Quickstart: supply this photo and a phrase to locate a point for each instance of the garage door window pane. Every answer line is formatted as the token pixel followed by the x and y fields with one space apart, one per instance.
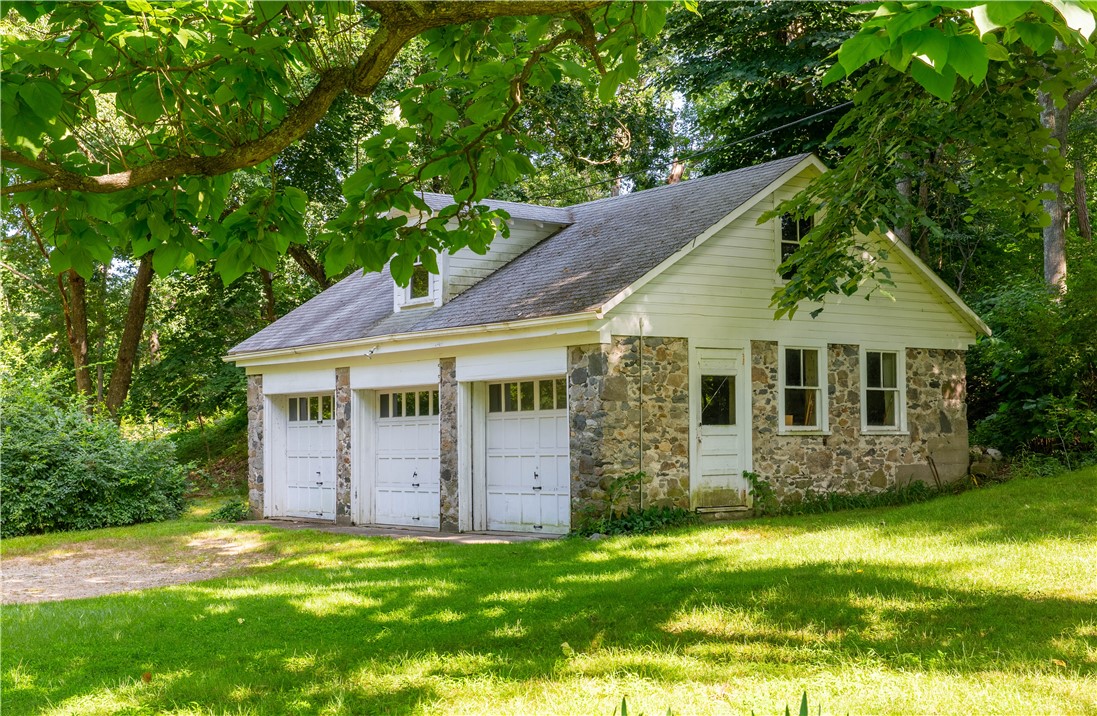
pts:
pixel 293 410
pixel 561 394
pixel 434 402
pixel 495 398
pixel 409 404
pixel 397 405
pixel 326 403
pixel 424 403
pixel 546 398
pixel 510 397
pixel 314 408
pixel 528 396
pixel 384 405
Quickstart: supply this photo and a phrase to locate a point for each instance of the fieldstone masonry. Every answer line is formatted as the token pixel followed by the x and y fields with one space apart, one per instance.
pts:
pixel 629 403
pixel 342 447
pixel 447 445
pixel 848 460
pixel 255 445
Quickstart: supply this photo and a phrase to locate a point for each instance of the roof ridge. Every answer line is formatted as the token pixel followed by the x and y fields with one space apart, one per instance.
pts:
pixel 797 157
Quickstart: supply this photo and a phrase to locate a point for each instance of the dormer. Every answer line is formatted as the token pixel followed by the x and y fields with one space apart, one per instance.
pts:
pixel 424 289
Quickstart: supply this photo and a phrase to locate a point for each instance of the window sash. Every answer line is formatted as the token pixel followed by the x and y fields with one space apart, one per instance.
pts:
pixel 802 390
pixel 419 286
pixel 882 399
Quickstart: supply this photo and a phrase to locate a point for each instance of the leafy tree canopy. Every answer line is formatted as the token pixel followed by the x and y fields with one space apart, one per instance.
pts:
pixel 124 123
pixel 952 79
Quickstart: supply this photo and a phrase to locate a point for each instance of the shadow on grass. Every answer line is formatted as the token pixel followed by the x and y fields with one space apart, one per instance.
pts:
pixel 376 626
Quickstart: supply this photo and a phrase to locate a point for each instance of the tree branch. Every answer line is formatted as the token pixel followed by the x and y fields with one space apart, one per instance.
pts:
pixel 400 23
pixel 1075 99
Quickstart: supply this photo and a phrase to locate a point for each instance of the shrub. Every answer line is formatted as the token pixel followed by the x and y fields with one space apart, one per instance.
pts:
pixel 231 511
pixel 636 521
pixel 63 469
pixel 1032 386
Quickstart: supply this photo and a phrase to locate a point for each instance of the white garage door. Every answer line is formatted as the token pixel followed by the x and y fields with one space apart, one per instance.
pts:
pixel 310 457
pixel 406 485
pixel 528 466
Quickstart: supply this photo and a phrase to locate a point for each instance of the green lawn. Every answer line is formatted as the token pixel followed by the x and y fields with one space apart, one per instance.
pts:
pixel 981 603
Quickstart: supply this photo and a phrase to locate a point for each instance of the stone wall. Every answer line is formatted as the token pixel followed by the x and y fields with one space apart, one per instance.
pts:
pixel 343 456
pixel 255 445
pixel 447 446
pixel 629 403
pixel 848 460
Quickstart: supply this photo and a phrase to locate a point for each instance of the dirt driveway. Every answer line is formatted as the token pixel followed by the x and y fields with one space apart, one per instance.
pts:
pixel 89 570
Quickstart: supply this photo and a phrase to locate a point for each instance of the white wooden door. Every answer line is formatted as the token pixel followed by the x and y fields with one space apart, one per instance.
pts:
pixel 718 481
pixel 406 485
pixel 528 457
pixel 310 457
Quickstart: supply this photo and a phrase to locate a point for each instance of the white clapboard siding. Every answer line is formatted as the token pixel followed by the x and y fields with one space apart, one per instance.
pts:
pixel 465 268
pixel 722 289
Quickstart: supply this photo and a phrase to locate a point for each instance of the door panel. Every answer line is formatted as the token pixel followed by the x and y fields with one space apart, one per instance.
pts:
pixel 310 457
pixel 718 479
pixel 406 485
pixel 528 457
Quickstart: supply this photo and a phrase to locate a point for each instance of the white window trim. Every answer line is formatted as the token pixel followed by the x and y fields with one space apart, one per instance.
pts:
pixel 824 391
pixel 900 381
pixel 402 294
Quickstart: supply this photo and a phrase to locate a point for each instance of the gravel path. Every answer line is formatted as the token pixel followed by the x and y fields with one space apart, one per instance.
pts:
pixel 91 570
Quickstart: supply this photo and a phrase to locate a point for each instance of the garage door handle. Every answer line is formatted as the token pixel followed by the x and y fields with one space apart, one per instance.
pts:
pixel 320 482
pixel 537 487
pixel 415 484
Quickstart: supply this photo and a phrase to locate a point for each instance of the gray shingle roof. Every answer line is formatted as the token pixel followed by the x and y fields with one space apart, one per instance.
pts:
pixel 606 246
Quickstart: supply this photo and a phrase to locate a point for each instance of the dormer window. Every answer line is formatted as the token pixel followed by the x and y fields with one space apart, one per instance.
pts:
pixel 419 288
pixel 792 232
pixel 424 289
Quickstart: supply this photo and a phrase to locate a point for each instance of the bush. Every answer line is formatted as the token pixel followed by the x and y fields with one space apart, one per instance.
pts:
pixel 61 469
pixel 1032 386
pixel 637 521
pixel 231 511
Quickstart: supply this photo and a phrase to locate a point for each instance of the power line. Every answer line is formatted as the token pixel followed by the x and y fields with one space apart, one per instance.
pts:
pixel 703 152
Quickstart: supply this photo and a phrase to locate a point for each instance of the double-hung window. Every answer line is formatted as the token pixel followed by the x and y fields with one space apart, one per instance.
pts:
pixel 802 392
pixel 793 230
pixel 882 380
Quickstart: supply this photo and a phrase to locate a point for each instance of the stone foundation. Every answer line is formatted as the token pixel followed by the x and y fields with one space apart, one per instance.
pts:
pixel 629 412
pixel 447 446
pixel 343 455
pixel 848 460
pixel 255 445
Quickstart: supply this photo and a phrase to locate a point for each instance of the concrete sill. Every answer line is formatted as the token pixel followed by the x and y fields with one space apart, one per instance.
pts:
pixel 803 433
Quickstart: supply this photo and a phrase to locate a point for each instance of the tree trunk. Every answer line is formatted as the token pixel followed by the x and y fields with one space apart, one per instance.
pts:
pixel 1055 120
pixel 309 265
pixel 75 305
pixel 905 186
pixel 1085 229
pixel 122 375
pixel 268 294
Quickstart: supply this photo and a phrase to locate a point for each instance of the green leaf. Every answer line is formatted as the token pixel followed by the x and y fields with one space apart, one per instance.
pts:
pixel 166 258
pixel 834 74
pixel 930 43
pixel 1004 12
pixel 906 21
pixel 939 85
pixel 861 49
pixel 607 87
pixel 968 56
pixel 42 97
pixel 1037 36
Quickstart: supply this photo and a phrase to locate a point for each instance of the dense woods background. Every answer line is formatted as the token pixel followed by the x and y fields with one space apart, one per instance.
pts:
pixel 139 337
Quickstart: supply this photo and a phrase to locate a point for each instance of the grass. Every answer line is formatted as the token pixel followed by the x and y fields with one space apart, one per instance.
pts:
pixel 985 602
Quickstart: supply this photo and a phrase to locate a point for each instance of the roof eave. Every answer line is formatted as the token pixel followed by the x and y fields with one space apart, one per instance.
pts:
pixel 259 356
